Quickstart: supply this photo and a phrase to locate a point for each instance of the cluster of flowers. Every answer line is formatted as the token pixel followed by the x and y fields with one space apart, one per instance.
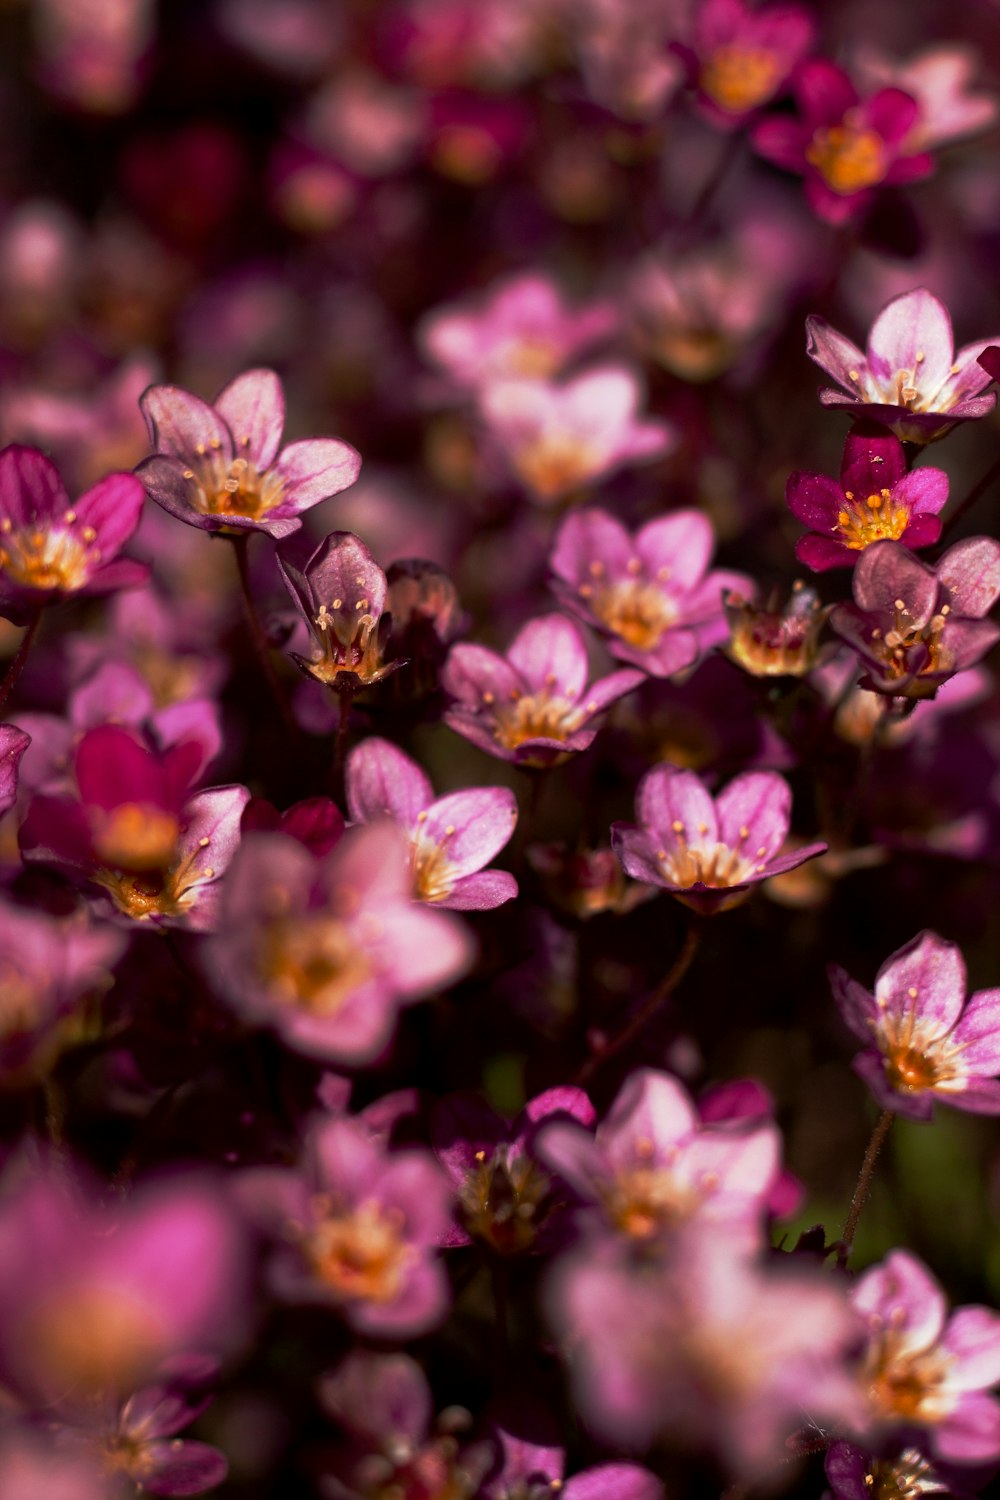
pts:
pixel 431 881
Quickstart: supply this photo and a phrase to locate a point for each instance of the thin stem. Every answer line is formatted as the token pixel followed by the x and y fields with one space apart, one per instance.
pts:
pixel 992 473
pixel 647 1009
pixel 499 1277
pixel 17 665
pixel 262 650
pixel 864 1183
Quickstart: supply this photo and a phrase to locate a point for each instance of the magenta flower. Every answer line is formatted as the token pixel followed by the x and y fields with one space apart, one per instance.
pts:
pixel 924 1041
pixel 650 595
pixel 910 380
pixel 222 467
pixel 358 1229
pixel 327 951
pixel 134 830
pixel 560 439
pixel 451 838
pixel 653 1165
pixel 13 743
pixel 741 58
pixel 926 1375
pixel 709 851
pixel 914 626
pixel 844 146
pixel 521 328
pixel 532 706
pixel 51 548
pixel 877 497
pixel 939 78
pixel 340 592
pixel 315 822
pixel 531 1471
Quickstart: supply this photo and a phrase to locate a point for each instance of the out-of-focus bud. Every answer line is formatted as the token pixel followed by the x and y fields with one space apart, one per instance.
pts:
pixel 584 882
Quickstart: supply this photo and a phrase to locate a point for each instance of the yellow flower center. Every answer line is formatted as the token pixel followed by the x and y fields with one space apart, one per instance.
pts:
pixel 312 962
pixel 555 463
pixel 157 892
pixel 433 871
pixel 532 358
pixel 136 836
pixel 362 1254
pixel 234 489
pixel 535 716
pixel 848 158
pixel 740 78
pixel 871 520
pixel 91 1339
pixel 53 558
pixel 905 1384
pixel 646 1200
pixel 350 644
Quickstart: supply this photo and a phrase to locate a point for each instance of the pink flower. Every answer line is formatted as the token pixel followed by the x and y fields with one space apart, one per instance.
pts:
pixel 340 592
pixel 924 1041
pixel 741 57
pixel 451 838
pixel 222 467
pixel 877 497
pixel 50 548
pixel 708 851
pixel 926 1375
pixel 938 78
pixel 650 595
pixel 557 439
pixel 533 706
pixel 845 146
pixel 910 379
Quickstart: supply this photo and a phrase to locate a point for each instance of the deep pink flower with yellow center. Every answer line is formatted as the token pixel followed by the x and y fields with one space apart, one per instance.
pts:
pixel 910 378
pixel 926 1376
pixel 222 467
pixel 844 146
pixel 51 548
pixel 534 705
pixel 709 851
pixel 876 498
pixel 924 1040
pixel 740 57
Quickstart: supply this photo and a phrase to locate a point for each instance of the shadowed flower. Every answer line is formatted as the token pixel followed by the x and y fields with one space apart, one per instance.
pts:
pixel 451 838
pixel 532 706
pixel 769 641
pixel 708 851
pixel 926 1375
pixel 924 1041
pixel 844 146
pixel 341 592
pixel 856 1475
pixel 222 467
pixel 939 79
pixel 51 548
pixel 358 1228
pixel 650 595
pixel 13 743
pixel 910 379
pixel 914 626
pixel 877 498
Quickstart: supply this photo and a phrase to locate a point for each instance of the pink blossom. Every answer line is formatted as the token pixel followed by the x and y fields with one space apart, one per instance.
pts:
pixel 939 78
pixel 740 57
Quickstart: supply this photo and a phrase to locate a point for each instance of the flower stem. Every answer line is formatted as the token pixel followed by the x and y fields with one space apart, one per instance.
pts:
pixel 864 1183
pixel 613 1045
pixel 262 650
pixel 17 665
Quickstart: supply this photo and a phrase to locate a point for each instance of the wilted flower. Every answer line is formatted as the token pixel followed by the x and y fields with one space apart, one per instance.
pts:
pixel 709 852
pixel 877 498
pixel 451 838
pixel 914 626
pixel 910 380
pixel 767 640
pixel 924 1042
pixel 222 467
pixel 533 706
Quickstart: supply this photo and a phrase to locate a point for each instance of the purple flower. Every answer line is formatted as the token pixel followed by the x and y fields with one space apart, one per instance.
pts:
pixel 531 1471
pixel 532 706
pixel 222 467
pixel 911 380
pixel 924 1041
pixel 856 1475
pixel 13 743
pixel 357 1228
pixel 340 592
pixel 914 626
pixel 326 951
pixel 926 1375
pixel 50 548
pixel 451 839
pixel 844 146
pixel 650 595
pixel 709 852
pixel 741 57
pixel 877 498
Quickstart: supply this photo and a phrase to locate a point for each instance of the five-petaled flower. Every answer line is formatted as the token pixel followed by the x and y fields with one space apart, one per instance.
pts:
pixel 222 467
pixel 924 1041
pixel 910 379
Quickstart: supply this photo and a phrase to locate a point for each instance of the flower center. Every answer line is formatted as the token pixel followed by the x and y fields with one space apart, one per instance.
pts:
pixel 433 871
pixel 312 962
pixel 136 836
pixel 93 1338
pixel 906 650
pixel 646 1200
pixel 351 643
pixel 535 716
pixel 532 358
pixel 47 559
pixel 556 463
pixel 160 892
pixel 19 1004
pixel 740 78
pixel 636 611
pixel 848 158
pixel 361 1255
pixel 501 1199
pixel 906 1384
pixel 910 1068
pixel 714 865
pixel 233 489
pixel 871 520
